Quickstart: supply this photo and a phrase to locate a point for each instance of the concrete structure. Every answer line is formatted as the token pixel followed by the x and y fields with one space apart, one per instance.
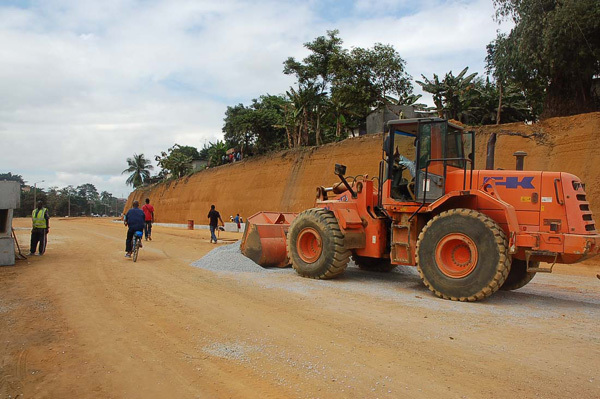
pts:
pixel 198 164
pixel 377 119
pixel 229 226
pixel 10 198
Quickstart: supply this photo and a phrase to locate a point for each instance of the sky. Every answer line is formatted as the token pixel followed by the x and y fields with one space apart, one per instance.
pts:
pixel 86 84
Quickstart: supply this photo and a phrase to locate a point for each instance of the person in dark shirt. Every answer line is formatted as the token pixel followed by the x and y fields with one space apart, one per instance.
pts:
pixel 135 220
pixel 214 217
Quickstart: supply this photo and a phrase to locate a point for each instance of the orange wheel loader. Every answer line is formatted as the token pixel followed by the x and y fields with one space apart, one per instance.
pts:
pixel 469 232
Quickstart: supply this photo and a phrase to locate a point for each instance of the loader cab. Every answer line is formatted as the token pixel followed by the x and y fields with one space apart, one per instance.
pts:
pixel 418 154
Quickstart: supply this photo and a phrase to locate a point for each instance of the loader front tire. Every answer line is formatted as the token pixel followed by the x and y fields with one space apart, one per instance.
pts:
pixel 315 245
pixel 518 276
pixel 462 255
pixel 373 264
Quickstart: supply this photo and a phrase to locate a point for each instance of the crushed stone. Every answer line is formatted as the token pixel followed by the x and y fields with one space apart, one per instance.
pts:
pixel 229 259
pixel 556 296
pixel 230 350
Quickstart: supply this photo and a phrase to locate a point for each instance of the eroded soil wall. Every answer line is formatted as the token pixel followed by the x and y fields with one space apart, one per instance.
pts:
pixel 286 181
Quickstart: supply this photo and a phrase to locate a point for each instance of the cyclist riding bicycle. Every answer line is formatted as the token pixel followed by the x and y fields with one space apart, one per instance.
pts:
pixel 135 220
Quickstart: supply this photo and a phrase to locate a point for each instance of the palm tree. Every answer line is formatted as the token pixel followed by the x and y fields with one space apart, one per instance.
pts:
pixel 437 88
pixel 455 88
pixel 105 196
pixel 140 168
pixel 447 93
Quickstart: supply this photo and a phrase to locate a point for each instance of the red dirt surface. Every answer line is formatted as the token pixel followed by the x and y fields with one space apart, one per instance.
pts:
pixel 84 322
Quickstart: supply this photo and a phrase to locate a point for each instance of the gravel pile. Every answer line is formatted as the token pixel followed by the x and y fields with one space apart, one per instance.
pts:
pixel 229 258
pixel 546 297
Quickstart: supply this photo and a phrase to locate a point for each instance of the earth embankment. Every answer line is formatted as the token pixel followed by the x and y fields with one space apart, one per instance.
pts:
pixel 286 181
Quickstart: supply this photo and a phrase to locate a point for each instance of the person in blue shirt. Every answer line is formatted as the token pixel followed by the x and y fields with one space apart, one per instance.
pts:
pixel 135 220
pixel 238 221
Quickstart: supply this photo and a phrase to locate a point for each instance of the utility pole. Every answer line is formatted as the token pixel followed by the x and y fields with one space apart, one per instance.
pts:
pixel 35 192
pixel 69 204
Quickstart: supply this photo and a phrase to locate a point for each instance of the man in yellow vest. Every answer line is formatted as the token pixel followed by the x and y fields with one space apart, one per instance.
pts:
pixel 41 225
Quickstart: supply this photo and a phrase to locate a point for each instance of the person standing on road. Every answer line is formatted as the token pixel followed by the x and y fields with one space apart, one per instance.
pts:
pixel 41 225
pixel 149 219
pixel 135 220
pixel 238 220
pixel 214 217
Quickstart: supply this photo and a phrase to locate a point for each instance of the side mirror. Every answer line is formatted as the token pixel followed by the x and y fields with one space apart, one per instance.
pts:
pixel 340 170
pixel 386 145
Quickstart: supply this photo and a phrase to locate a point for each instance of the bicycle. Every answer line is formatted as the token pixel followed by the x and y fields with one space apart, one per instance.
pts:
pixel 137 243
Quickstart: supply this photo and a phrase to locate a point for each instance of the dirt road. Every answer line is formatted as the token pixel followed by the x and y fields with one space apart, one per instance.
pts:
pixel 84 322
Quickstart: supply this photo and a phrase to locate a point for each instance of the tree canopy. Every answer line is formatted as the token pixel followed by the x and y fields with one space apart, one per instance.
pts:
pixel 83 200
pixel 10 177
pixel 336 88
pixel 552 54
pixel 177 160
pixel 546 65
pixel 256 128
pixel 140 168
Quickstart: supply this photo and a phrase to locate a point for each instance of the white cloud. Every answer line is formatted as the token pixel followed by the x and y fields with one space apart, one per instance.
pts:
pixel 86 84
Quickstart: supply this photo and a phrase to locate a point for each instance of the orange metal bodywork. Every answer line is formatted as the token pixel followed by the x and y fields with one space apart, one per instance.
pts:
pixel 554 222
pixel 545 215
pixel 357 220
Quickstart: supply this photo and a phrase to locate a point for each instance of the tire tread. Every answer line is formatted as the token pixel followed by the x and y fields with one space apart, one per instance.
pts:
pixel 504 261
pixel 328 222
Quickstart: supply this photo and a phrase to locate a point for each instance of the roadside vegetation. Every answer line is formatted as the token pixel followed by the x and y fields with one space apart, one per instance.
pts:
pixel 83 200
pixel 547 65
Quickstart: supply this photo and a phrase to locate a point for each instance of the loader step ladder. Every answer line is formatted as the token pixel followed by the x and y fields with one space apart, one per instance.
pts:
pixel 401 252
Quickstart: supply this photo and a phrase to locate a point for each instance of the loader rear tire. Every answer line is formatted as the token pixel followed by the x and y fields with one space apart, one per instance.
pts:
pixel 462 255
pixel 518 276
pixel 315 245
pixel 373 264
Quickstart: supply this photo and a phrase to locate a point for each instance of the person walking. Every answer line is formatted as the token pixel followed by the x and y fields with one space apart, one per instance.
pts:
pixel 135 221
pixel 149 219
pixel 41 226
pixel 238 220
pixel 214 217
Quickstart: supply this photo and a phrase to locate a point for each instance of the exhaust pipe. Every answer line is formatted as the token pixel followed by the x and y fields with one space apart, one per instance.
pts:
pixel 491 148
pixel 520 155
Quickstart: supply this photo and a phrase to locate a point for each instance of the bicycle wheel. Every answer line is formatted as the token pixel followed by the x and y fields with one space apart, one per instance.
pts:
pixel 136 248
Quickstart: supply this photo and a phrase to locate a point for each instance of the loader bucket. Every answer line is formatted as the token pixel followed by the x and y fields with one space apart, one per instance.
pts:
pixel 264 238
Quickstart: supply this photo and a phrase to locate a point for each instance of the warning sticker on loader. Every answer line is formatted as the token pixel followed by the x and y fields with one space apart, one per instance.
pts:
pixel 426 184
pixel 546 199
